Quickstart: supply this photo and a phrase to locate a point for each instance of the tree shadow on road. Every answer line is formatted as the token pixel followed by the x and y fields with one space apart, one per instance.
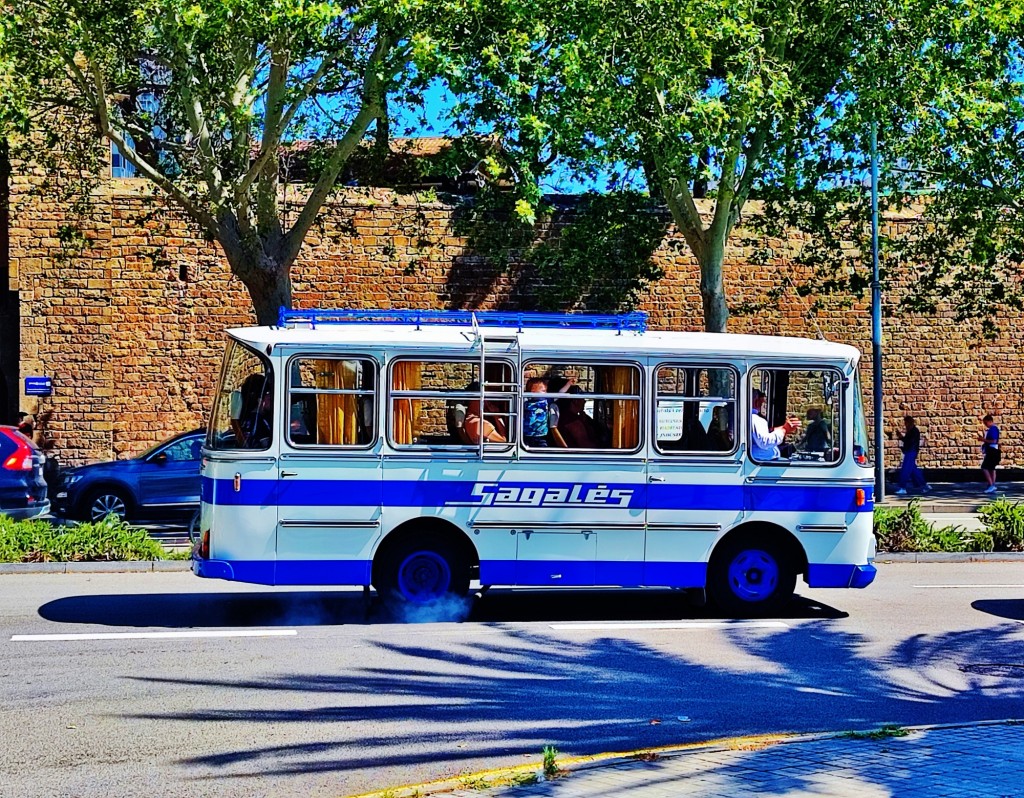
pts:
pixel 922 762
pixel 453 703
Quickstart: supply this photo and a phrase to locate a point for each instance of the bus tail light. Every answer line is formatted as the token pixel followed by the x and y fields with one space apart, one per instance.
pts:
pixel 204 545
pixel 861 498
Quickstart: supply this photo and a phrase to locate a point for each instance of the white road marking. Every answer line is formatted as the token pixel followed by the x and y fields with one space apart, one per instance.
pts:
pixel 159 635
pixel 966 587
pixel 613 627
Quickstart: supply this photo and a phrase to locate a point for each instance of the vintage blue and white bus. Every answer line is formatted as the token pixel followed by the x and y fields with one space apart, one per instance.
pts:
pixel 421 452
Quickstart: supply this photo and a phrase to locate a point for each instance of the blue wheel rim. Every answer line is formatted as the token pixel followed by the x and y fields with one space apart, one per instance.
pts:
pixel 424 576
pixel 753 575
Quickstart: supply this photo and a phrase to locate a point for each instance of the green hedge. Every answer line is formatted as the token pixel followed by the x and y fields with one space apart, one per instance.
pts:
pixel 904 529
pixel 897 529
pixel 106 540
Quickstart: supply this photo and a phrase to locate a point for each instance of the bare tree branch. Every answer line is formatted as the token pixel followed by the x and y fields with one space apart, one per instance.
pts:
pixel 374 87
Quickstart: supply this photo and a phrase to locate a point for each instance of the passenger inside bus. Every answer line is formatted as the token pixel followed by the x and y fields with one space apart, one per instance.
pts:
pixel 818 437
pixel 540 414
pixel 766 442
pixel 720 434
pixel 252 411
pixel 489 424
pixel 577 430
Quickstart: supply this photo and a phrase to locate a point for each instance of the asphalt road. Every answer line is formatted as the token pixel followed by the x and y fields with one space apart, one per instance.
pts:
pixel 332 702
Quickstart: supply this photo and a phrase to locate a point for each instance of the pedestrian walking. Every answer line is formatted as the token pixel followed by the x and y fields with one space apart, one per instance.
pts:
pixel 25 424
pixel 911 475
pixel 990 453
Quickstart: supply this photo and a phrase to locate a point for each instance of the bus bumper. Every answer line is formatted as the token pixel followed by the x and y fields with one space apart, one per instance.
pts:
pixel 213 569
pixel 840 575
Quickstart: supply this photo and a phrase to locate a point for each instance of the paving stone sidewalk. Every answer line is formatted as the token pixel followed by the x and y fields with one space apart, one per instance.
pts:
pixel 979 760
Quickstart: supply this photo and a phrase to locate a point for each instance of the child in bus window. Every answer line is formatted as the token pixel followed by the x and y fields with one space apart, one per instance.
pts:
pixel 537 412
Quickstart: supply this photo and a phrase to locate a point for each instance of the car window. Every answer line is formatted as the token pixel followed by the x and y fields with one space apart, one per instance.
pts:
pixel 184 450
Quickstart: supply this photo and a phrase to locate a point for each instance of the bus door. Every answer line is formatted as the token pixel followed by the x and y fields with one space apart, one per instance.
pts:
pixel 330 470
pixel 577 497
pixel 695 474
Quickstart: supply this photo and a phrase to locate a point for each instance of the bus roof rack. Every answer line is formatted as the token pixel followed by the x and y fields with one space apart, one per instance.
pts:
pixel 634 322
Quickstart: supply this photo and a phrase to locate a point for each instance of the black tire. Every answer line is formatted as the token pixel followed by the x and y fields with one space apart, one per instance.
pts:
pixel 104 501
pixel 421 570
pixel 751 576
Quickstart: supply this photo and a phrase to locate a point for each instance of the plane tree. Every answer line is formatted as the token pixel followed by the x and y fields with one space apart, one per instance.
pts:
pixel 963 156
pixel 202 97
pixel 728 100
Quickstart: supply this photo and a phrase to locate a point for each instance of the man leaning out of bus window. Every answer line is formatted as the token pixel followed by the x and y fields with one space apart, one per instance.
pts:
pixel 765 440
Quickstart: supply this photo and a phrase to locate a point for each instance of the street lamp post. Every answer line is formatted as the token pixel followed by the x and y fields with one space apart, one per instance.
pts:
pixel 876 323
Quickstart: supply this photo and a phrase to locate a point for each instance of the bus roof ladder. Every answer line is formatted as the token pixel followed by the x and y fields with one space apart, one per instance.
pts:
pixel 503 390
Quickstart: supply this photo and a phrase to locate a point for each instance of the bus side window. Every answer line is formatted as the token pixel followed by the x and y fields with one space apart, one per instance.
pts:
pixel 331 401
pixel 695 408
pixel 812 396
pixel 435 403
pixel 587 406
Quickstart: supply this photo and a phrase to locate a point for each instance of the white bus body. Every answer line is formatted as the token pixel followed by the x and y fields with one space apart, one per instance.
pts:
pixel 341 452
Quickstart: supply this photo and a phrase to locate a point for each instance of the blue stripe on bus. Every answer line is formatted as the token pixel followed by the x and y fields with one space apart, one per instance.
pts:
pixel 286 572
pixel 413 493
pixel 620 574
pixel 525 573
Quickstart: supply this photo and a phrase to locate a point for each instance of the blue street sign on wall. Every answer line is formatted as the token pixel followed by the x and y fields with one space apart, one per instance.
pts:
pixel 38 386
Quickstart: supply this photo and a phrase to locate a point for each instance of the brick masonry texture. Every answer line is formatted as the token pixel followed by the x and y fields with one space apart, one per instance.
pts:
pixel 134 349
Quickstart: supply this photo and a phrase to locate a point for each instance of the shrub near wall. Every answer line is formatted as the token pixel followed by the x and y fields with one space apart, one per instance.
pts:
pixel 1005 522
pixel 904 529
pixel 107 540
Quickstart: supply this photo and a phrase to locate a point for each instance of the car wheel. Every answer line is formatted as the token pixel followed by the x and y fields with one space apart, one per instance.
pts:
pixel 422 571
pixel 750 576
pixel 104 502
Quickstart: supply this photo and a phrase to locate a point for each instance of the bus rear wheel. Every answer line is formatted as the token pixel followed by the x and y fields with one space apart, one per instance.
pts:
pixel 422 571
pixel 751 577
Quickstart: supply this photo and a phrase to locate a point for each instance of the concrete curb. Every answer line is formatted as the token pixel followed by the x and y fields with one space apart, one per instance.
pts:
pixel 946 556
pixel 113 567
pixel 504 777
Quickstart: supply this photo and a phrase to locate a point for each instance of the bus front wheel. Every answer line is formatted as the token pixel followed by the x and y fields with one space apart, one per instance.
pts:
pixel 750 576
pixel 422 571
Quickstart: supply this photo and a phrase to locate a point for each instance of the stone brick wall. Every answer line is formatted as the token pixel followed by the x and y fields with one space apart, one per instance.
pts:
pixel 131 328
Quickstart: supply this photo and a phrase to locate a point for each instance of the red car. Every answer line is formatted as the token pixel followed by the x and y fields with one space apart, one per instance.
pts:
pixel 22 487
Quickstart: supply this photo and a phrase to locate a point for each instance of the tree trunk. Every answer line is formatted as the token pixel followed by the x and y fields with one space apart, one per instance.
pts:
pixel 266 275
pixel 270 288
pixel 712 286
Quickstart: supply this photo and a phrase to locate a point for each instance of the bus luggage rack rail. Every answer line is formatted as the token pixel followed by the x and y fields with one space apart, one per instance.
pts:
pixel 633 322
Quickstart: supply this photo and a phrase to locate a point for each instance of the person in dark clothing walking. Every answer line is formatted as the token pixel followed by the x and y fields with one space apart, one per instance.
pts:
pixel 990 452
pixel 910 441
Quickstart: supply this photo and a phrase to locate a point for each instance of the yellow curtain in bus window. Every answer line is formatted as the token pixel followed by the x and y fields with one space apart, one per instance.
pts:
pixel 405 376
pixel 625 412
pixel 336 415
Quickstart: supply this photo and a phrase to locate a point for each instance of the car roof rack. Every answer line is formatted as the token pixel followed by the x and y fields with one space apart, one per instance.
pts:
pixel 635 321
